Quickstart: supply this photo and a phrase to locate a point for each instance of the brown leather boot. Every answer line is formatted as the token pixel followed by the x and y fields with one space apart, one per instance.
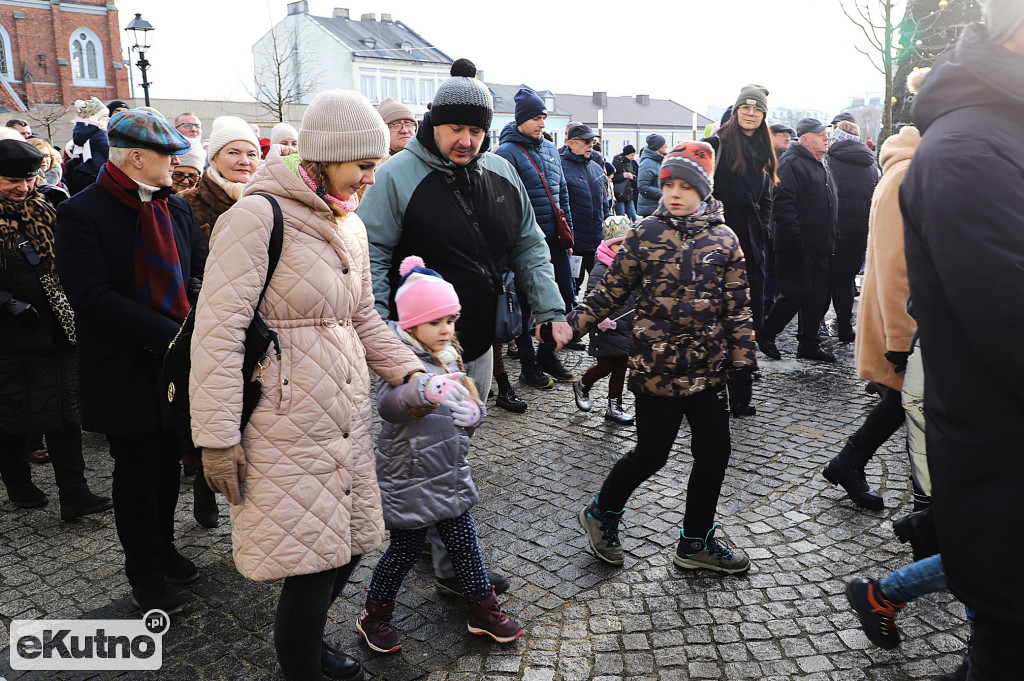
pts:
pixel 486 618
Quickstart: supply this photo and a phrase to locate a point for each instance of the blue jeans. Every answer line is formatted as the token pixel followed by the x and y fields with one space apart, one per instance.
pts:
pixel 626 208
pixel 917 579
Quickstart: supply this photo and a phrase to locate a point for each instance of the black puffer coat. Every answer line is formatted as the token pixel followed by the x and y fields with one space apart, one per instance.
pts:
pixel 806 204
pixel 963 208
pixel 38 377
pixel 746 199
pixel 853 166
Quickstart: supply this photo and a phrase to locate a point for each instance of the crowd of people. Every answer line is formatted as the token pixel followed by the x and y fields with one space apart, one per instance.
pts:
pixel 368 243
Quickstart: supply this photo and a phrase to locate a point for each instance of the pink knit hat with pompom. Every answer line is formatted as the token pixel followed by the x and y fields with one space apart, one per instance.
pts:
pixel 423 295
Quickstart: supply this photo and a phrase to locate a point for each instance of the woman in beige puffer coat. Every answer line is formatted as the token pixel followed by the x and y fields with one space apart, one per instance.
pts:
pixel 301 478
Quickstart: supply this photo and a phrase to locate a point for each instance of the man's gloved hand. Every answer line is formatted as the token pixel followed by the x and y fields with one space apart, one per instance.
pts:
pixel 467 413
pixel 224 470
pixel 20 307
pixel 898 360
pixel 194 284
pixel 607 325
pixel 447 389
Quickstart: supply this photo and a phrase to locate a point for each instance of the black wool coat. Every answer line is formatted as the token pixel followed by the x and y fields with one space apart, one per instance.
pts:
pixel 120 341
pixel 806 204
pixel 963 209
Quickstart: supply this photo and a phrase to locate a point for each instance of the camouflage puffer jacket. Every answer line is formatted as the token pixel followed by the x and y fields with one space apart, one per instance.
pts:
pixel 692 324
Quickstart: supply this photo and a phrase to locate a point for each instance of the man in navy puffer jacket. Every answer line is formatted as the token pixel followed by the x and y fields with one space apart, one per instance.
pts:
pixel 588 187
pixel 523 145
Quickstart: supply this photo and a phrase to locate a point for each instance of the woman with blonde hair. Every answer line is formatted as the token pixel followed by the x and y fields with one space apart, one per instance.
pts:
pixel 305 504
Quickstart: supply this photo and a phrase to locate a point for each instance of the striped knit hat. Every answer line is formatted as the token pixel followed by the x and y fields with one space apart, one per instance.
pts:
pixel 462 99
pixel 693 163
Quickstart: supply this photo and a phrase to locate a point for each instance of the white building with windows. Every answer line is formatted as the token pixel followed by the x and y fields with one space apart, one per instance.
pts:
pixel 378 57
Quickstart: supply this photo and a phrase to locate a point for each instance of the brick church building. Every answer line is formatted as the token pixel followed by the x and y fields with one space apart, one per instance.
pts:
pixel 54 52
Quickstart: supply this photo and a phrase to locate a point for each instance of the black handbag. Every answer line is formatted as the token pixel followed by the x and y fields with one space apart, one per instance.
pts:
pixel 177 364
pixel 509 319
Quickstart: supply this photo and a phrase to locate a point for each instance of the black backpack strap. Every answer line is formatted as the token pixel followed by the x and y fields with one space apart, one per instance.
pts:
pixel 276 242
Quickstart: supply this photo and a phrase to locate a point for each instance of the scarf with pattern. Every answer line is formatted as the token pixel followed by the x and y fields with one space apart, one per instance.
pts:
pixel 158 278
pixel 34 218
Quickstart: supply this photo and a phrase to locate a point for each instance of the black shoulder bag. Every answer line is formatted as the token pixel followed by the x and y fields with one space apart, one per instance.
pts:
pixel 177 364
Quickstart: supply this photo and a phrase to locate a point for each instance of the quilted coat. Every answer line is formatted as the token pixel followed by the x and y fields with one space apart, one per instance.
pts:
pixel 883 323
pixel 545 156
pixel 587 187
pixel 692 323
pixel 648 185
pixel 311 499
pixel 422 463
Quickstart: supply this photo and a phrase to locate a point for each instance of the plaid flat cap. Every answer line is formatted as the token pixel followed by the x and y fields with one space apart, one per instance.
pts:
pixel 133 129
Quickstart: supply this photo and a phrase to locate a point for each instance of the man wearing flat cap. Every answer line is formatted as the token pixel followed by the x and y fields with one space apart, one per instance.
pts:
pixel 126 251
pixel 806 214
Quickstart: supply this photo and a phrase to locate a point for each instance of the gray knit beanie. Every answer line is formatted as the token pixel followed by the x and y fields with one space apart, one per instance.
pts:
pixel 1003 18
pixel 341 126
pixel 756 95
pixel 462 99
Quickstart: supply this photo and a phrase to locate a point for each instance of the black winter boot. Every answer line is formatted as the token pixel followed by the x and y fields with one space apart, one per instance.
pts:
pixel 918 528
pixel 847 470
pixel 507 398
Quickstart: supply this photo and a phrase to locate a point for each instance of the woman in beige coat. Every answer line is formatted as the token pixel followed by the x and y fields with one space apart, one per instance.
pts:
pixel 885 331
pixel 301 478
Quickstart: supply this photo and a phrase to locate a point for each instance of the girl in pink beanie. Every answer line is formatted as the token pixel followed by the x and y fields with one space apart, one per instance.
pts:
pixel 422 465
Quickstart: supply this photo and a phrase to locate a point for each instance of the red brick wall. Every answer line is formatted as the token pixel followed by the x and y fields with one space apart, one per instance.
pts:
pixel 47 31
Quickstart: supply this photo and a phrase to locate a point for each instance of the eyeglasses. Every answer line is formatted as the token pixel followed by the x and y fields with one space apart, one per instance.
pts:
pixel 747 109
pixel 193 126
pixel 186 178
pixel 403 125
pixel 590 142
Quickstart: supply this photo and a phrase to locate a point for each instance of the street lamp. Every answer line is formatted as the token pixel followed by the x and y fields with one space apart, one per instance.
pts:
pixel 140 30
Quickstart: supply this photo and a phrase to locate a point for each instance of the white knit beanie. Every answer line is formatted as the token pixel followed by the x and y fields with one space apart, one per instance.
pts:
pixel 341 126
pixel 282 132
pixel 230 129
pixel 194 157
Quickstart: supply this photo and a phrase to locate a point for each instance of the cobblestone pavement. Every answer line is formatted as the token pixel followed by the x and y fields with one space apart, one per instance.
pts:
pixel 585 620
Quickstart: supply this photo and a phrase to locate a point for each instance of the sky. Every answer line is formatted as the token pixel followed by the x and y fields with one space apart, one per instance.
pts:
pixel 695 52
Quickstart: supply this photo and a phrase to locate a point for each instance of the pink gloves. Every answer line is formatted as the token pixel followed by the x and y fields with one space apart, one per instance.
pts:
pixel 467 413
pixel 607 325
pixel 447 389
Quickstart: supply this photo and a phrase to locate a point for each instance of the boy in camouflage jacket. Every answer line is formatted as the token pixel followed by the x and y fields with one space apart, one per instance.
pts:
pixel 692 327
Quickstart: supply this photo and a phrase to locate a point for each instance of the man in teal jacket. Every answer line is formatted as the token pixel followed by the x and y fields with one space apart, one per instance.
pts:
pixel 467 214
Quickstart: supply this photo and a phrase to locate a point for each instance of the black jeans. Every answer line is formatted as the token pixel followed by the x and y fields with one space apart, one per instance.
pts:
pixel 884 419
pixel 842 274
pixel 657 423
pixel 301 616
pixel 65 448
pixel 145 493
pixel 996 653
pixel 802 280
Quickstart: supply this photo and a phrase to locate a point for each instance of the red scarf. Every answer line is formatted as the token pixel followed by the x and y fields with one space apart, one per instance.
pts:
pixel 159 283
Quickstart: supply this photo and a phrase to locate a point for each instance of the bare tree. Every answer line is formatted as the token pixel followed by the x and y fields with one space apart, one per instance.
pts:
pixel 878 20
pixel 283 74
pixel 48 114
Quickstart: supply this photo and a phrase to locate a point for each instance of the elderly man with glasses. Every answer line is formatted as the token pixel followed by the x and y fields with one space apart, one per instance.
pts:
pixel 401 122
pixel 189 125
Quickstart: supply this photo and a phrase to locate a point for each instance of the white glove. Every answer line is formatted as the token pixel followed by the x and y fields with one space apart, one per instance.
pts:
pixel 607 325
pixel 467 413
pixel 446 390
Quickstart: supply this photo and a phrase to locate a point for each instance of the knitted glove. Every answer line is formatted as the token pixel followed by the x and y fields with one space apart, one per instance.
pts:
pixel 447 389
pixel 224 470
pixel 898 360
pixel 467 413
pixel 607 325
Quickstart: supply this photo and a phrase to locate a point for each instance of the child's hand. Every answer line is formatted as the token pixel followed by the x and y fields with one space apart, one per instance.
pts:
pixel 467 413
pixel 607 325
pixel 447 389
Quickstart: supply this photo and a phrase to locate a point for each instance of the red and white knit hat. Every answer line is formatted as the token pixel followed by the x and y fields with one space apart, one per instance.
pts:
pixel 693 163
pixel 423 295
